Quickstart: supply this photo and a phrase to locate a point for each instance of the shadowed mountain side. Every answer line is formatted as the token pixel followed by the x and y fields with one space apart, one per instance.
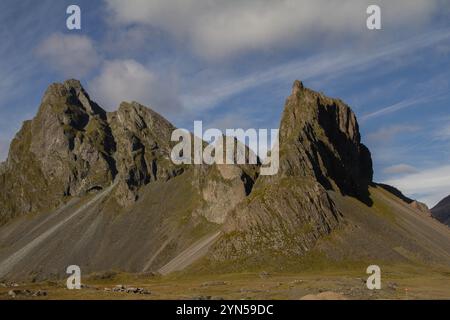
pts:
pixel 319 137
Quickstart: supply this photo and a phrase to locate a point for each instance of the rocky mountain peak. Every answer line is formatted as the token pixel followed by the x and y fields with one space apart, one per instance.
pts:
pixel 297 87
pixel 442 211
pixel 319 136
pixel 71 96
pixel 320 151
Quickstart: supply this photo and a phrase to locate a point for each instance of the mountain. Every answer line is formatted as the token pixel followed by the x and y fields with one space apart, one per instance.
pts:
pixel 323 201
pixel 98 189
pixel 442 211
pixel 73 147
pixel 320 151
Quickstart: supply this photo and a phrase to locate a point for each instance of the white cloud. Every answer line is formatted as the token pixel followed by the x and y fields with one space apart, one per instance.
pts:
pixel 73 56
pixel 217 29
pixel 400 169
pixel 128 80
pixel 428 186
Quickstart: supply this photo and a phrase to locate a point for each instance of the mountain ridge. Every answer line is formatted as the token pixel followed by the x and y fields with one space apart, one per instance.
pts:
pixel 98 189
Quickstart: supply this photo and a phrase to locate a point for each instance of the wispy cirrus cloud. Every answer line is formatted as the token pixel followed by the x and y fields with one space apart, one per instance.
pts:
pixel 407 103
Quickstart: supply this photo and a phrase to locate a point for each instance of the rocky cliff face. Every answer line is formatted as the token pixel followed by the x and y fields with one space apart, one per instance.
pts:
pixel 65 150
pixel 142 149
pixel 320 150
pixel 73 147
pixel 86 176
pixel 319 137
pixel 123 205
pixel 442 211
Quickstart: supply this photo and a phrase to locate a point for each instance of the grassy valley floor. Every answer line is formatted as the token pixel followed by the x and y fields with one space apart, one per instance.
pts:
pixel 398 282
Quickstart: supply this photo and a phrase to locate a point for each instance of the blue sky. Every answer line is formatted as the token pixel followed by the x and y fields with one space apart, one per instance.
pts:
pixel 232 64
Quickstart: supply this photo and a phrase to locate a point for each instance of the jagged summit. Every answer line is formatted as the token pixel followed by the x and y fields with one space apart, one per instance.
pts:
pixel 442 211
pixel 73 147
pixel 72 93
pixel 297 87
pixel 311 204
pixel 324 134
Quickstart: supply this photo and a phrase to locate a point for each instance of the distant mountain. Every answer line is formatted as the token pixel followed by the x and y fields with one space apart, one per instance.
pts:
pixel 442 211
pixel 98 189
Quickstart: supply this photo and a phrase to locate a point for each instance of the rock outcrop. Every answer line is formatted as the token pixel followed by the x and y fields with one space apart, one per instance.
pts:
pixel 143 148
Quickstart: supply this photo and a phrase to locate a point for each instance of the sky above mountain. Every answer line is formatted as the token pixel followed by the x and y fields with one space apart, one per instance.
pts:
pixel 232 63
